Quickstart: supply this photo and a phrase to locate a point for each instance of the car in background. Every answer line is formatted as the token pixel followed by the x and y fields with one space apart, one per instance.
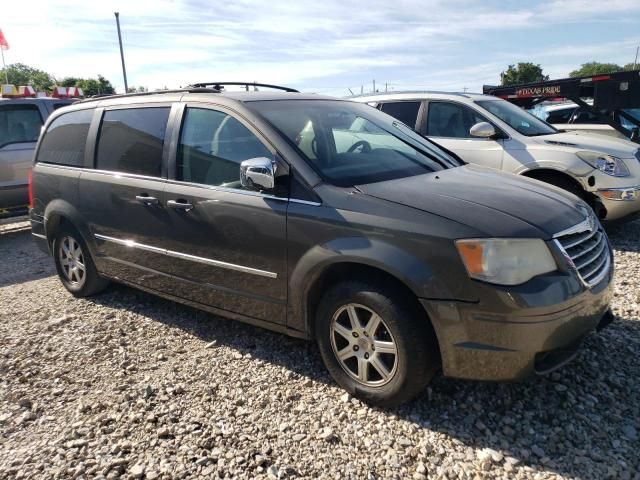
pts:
pixel 22 115
pixel 489 131
pixel 323 219
pixel 571 117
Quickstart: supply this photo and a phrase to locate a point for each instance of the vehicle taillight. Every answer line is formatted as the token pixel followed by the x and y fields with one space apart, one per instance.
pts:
pixel 30 188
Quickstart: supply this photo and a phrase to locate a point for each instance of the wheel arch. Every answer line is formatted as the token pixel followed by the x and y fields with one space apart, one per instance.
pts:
pixel 59 213
pixel 354 270
pixel 544 174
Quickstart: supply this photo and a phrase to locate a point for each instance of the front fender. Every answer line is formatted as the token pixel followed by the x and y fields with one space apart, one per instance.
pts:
pixel 561 161
pixel 414 272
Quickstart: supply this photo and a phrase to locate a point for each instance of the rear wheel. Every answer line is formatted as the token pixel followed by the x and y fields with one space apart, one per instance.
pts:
pixel 376 342
pixel 74 264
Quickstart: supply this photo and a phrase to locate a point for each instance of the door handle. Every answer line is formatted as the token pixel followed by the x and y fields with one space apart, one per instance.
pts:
pixel 147 200
pixel 180 205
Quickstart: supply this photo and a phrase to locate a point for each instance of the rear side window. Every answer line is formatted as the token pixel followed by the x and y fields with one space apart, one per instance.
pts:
pixel 19 124
pixel 131 140
pixel 585 116
pixel 451 120
pixel 66 138
pixel 560 116
pixel 406 112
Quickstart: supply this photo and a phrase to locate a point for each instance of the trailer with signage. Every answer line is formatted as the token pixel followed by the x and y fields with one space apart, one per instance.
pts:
pixel 608 97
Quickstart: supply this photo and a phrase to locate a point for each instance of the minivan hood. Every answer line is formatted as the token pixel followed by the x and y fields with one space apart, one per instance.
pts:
pixel 495 204
pixel 617 147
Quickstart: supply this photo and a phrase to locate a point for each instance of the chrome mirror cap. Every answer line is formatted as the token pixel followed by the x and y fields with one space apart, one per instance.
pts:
pixel 258 174
pixel 482 130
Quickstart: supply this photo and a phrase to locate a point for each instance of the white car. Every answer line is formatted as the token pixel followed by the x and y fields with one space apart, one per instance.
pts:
pixel 489 131
pixel 571 117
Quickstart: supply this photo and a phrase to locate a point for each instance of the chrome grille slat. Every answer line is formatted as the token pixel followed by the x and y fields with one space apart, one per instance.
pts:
pixel 586 247
pixel 592 258
pixel 581 240
pixel 596 268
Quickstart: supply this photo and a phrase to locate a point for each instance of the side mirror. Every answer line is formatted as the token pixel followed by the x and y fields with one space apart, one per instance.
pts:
pixel 482 130
pixel 258 174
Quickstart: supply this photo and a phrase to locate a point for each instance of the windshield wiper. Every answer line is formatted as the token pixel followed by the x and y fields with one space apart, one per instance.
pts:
pixel 541 134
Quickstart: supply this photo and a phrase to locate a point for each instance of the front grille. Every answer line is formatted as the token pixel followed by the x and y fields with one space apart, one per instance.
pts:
pixel 586 248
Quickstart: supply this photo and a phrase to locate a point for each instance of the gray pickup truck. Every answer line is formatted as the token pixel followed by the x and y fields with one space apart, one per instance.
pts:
pixel 21 120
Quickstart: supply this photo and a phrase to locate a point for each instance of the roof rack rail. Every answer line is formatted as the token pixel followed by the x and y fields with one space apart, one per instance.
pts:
pixel 190 89
pixel 221 85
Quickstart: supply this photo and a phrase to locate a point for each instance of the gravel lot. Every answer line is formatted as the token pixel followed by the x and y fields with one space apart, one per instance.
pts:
pixel 128 385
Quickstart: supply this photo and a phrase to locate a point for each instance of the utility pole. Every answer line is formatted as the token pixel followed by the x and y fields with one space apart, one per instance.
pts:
pixel 4 66
pixel 361 89
pixel 124 70
pixel 374 85
pixel 635 62
pixel 385 87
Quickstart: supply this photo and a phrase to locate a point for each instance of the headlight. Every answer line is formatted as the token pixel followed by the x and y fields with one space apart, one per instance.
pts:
pixel 605 163
pixel 505 261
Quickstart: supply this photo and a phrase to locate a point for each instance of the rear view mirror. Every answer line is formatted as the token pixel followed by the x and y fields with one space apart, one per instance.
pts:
pixel 482 130
pixel 258 174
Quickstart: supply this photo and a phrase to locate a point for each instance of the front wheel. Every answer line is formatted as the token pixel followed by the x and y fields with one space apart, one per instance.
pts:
pixel 376 342
pixel 74 264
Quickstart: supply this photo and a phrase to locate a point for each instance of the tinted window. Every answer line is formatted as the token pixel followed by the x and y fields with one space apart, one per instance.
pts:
pixel 585 116
pixel 131 140
pixel 452 120
pixel 635 113
pixel 58 105
pixel 560 116
pixel 65 139
pixel 352 143
pixel 212 146
pixel 19 123
pixel 406 112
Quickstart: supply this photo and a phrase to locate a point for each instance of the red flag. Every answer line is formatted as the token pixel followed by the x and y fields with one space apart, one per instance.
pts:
pixel 4 45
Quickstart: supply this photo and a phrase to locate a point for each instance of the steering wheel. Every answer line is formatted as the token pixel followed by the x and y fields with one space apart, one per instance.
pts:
pixel 366 146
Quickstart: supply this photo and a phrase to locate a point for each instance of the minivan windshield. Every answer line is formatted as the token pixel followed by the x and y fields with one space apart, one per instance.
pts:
pixel 517 118
pixel 350 143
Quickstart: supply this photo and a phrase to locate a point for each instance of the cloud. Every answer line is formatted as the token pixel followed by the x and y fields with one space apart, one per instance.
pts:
pixel 321 46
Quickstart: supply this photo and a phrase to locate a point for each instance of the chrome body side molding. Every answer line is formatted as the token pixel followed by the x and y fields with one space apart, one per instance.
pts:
pixel 186 256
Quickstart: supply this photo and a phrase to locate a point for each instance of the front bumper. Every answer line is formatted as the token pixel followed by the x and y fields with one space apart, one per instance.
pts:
pixel 515 333
pixel 620 203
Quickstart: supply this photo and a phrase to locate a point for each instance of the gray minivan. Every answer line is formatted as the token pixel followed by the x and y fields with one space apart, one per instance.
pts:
pixel 21 120
pixel 274 209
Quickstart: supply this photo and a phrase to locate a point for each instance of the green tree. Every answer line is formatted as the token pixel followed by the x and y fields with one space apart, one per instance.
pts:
pixel 90 86
pixel 21 74
pixel 139 89
pixel 595 68
pixel 524 72
pixel 631 66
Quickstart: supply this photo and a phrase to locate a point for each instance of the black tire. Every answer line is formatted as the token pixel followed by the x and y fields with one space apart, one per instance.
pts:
pixel 403 322
pixel 84 282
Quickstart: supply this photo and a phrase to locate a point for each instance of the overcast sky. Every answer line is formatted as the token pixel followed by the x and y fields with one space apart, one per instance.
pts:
pixel 323 46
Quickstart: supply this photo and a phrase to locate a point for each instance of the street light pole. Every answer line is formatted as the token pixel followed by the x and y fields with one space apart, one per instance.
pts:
pixel 124 70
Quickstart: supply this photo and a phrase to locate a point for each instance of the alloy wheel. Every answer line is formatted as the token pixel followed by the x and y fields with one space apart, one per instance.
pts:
pixel 72 262
pixel 363 345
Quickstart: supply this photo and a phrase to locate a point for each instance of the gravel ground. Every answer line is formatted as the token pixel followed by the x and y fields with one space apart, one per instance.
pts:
pixel 128 385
